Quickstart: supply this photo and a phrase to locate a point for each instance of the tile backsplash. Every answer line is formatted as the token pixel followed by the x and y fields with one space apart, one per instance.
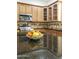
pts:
pixel 47 25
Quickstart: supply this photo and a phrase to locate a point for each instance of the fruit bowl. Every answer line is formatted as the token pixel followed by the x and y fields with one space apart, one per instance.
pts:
pixel 35 35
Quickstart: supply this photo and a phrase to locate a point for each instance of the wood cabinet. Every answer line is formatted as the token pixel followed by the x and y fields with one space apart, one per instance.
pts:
pixel 40 14
pixel 45 14
pixel 28 9
pixel 37 13
pixel 53 12
pixel 50 14
pixel 34 13
pixel 18 12
pixel 17 8
pixel 22 9
pixel 55 17
pixel 25 9
pixel 59 46
pixel 59 11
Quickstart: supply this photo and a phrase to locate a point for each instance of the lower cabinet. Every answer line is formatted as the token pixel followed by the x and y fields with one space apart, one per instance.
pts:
pixel 53 42
pixel 57 45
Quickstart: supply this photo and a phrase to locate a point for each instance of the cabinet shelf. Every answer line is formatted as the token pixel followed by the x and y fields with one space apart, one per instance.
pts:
pixel 45 14
pixel 50 13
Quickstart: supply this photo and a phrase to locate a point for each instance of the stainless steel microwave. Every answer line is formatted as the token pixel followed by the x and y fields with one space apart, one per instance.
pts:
pixel 25 17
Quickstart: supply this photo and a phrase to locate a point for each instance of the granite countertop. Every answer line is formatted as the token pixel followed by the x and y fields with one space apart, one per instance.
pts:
pixel 23 45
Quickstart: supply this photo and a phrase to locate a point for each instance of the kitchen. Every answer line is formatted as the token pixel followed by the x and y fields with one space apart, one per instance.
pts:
pixel 40 15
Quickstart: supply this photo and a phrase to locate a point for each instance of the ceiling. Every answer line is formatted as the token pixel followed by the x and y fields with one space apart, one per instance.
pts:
pixel 38 2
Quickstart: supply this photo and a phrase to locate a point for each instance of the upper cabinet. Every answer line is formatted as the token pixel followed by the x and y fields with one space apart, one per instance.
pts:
pixel 40 14
pixel 17 8
pixel 28 9
pixel 18 5
pixel 50 13
pixel 22 9
pixel 25 9
pixel 34 13
pixel 37 13
pixel 45 14
pixel 55 12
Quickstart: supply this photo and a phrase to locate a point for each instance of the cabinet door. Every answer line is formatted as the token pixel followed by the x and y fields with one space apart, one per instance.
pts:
pixel 40 14
pixel 45 14
pixel 18 11
pixel 50 13
pixel 35 13
pixel 55 17
pixel 22 9
pixel 28 9
pixel 17 8
pixel 59 46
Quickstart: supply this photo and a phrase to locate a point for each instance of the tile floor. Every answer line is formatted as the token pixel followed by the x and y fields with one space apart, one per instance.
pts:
pixel 39 54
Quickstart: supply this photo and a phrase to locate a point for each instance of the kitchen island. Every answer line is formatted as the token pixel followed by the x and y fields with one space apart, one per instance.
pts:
pixel 48 41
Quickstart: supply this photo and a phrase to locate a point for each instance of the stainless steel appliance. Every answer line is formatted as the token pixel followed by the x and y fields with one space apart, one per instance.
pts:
pixel 25 17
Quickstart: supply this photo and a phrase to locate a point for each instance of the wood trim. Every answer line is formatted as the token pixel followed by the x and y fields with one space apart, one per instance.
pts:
pixel 39 21
pixel 53 3
pixel 23 3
